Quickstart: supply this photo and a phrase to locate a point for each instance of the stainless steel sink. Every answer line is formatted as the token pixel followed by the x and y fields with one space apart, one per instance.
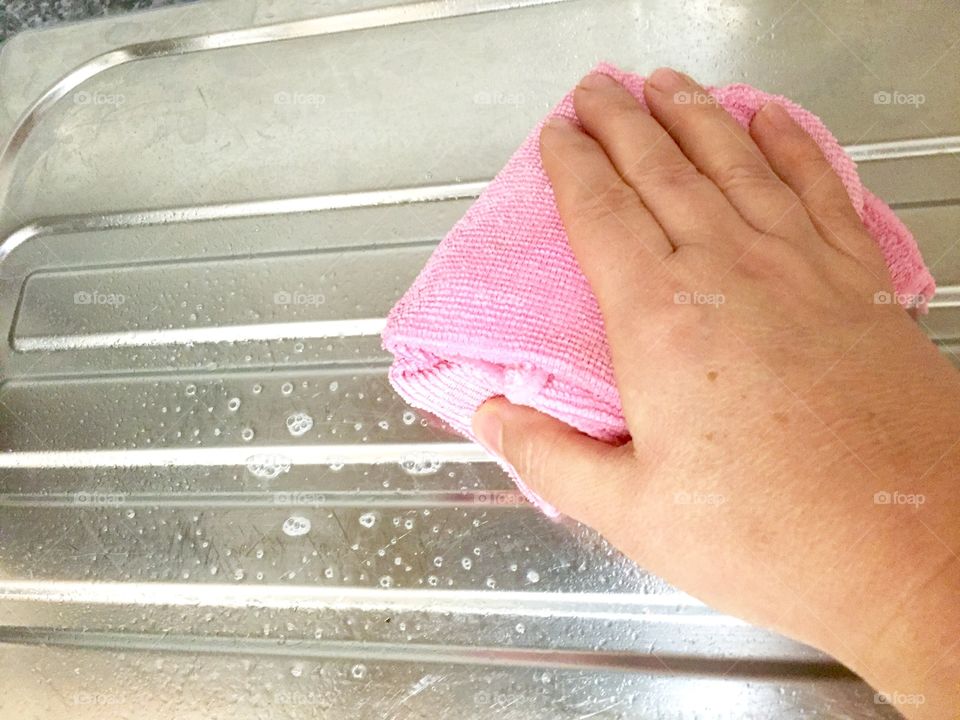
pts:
pixel 211 502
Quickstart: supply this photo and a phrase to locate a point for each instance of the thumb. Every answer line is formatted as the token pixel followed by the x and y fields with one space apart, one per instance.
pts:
pixel 584 478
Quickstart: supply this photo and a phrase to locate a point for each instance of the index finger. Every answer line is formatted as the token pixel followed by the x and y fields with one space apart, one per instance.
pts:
pixel 615 239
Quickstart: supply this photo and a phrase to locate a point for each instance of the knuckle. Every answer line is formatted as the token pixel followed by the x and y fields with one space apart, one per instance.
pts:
pixel 610 202
pixel 620 111
pixel 744 174
pixel 777 259
pixel 668 174
pixel 805 155
pixel 838 221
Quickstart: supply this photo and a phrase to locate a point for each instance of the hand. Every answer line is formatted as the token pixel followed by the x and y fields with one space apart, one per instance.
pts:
pixel 768 396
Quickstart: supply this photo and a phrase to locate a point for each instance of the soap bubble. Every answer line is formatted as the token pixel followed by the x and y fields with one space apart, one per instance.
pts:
pixel 420 464
pixel 299 423
pixel 268 466
pixel 296 525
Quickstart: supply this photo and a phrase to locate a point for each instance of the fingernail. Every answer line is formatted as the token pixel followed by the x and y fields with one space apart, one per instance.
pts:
pixel 666 80
pixel 777 116
pixel 488 428
pixel 597 81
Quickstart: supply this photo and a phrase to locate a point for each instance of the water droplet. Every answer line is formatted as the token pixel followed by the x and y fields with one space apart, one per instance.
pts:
pixel 386 581
pixel 420 464
pixel 533 576
pixel 467 563
pixel 520 628
pixel 257 389
pixel 334 386
pixel 286 388
pixel 246 434
pixel 358 672
pixel 268 466
pixel 438 561
pixel 383 425
pixel 296 670
pixel 368 520
pixel 409 418
pixel 298 347
pixel 131 513
pixel 299 423
pixel 296 525
pixel 233 404
pixel 190 390
pixel 239 574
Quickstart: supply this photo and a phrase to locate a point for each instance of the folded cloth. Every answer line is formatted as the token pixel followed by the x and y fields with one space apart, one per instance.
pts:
pixel 502 308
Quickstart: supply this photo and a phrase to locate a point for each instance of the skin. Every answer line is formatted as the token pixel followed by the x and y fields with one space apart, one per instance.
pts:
pixel 762 424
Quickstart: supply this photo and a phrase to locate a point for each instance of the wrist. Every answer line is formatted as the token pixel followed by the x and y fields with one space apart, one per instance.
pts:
pixel 914 659
pixel 888 607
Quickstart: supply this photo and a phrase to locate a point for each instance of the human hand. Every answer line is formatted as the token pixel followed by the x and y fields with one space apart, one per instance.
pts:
pixel 768 396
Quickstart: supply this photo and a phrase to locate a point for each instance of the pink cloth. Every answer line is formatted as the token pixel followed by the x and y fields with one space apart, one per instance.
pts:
pixel 502 307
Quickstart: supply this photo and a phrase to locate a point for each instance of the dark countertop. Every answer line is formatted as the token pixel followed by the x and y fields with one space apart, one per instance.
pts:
pixel 17 15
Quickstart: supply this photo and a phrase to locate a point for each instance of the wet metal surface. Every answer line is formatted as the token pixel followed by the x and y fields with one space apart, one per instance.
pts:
pixel 211 502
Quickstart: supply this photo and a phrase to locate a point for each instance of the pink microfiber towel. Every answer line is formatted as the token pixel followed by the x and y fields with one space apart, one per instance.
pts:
pixel 502 307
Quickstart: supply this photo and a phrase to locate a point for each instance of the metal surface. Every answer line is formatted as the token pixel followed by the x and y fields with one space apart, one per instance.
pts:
pixel 211 502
